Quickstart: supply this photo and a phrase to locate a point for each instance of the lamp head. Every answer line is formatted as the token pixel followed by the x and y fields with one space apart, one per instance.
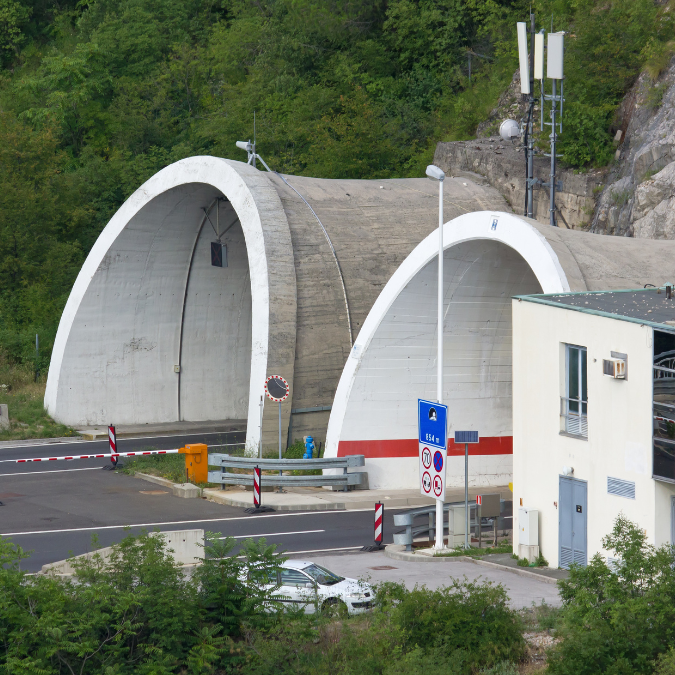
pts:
pixel 434 172
pixel 245 145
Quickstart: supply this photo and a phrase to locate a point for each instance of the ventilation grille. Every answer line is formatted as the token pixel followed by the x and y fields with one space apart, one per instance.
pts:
pixel 614 564
pixel 620 488
pixel 566 557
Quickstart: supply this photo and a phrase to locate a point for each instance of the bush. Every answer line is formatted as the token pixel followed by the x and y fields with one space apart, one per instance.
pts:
pixel 618 620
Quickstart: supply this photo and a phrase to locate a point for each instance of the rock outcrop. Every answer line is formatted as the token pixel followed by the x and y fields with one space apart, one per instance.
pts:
pixel 639 197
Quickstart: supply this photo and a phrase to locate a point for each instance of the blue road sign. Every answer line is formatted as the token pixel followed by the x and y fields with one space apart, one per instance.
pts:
pixel 438 461
pixel 432 423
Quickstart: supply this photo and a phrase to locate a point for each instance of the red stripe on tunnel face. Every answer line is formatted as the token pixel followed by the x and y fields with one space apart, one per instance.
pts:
pixel 409 447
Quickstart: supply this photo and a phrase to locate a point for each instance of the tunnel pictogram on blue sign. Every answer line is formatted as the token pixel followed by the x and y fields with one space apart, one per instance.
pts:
pixel 438 461
pixel 432 423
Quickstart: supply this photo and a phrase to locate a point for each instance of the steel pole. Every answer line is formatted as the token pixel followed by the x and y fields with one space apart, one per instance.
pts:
pixel 553 140
pixel 439 377
pixel 466 494
pixel 260 441
pixel 530 125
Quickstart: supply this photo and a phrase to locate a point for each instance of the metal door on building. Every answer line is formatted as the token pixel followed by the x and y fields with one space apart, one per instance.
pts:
pixel 572 522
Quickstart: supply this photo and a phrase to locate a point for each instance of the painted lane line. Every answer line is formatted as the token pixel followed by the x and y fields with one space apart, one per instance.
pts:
pixel 269 534
pixel 180 522
pixel 36 473
pixel 325 550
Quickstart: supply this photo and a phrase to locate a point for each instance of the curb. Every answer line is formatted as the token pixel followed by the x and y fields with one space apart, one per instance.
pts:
pixel 398 552
pixel 220 498
pixel 154 479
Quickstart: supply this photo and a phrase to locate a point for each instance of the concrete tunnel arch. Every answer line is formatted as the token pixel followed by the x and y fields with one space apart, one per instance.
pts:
pixel 488 258
pixel 135 311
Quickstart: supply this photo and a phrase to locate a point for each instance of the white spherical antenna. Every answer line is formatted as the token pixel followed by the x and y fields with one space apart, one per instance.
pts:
pixel 509 130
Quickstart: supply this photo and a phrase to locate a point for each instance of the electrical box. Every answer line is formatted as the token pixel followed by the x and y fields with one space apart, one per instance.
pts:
pixel 528 527
pixel 554 56
pixel 615 368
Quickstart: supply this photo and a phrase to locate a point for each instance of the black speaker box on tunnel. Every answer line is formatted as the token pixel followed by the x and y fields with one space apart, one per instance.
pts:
pixel 218 254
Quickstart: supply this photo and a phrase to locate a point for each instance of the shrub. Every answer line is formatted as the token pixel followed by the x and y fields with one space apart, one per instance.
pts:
pixel 618 620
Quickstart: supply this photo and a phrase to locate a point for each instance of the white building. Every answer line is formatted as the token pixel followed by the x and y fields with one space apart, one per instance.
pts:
pixel 589 445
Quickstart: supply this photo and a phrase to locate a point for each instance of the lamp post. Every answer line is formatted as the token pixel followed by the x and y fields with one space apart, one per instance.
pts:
pixel 437 174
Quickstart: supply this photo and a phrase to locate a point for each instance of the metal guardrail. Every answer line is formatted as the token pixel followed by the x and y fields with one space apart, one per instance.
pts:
pixel 344 479
pixel 407 519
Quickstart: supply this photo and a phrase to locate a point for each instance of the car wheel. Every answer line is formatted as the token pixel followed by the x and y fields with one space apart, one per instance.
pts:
pixel 334 608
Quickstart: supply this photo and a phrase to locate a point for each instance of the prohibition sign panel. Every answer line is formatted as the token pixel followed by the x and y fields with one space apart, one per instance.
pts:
pixel 426 483
pixel 276 388
pixel 438 486
pixel 426 458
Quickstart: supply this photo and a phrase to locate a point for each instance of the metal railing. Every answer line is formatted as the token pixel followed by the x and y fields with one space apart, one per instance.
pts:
pixel 407 519
pixel 344 480
pixel 575 413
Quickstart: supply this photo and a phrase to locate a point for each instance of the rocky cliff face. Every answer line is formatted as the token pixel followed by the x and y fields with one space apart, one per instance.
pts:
pixel 639 197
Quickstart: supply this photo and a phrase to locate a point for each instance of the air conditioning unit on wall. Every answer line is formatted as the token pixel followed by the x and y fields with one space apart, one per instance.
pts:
pixel 615 368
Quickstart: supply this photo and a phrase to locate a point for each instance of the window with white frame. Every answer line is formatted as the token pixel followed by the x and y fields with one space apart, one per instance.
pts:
pixel 574 405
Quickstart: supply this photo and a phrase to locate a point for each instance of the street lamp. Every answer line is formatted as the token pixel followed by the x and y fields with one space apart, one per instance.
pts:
pixel 435 173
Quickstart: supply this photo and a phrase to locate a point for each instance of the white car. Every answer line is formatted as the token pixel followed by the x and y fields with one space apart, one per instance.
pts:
pixel 311 586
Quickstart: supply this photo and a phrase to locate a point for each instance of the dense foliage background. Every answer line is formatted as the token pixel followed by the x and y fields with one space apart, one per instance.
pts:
pixel 97 95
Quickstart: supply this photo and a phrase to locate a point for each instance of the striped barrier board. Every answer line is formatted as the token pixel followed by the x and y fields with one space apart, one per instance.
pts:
pixel 103 456
pixel 256 487
pixel 112 444
pixel 379 528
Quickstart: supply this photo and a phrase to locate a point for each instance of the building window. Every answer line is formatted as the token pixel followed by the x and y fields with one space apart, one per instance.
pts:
pixel 574 405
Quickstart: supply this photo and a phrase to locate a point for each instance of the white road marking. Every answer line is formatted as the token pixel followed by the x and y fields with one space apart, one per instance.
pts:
pixel 33 473
pixel 270 534
pixel 178 522
pixel 322 550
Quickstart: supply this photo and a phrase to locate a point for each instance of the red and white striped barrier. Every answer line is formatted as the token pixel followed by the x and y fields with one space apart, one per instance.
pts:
pixel 379 527
pixel 103 456
pixel 112 444
pixel 256 487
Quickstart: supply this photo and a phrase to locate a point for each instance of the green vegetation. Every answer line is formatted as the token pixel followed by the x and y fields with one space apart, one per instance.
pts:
pixel 97 95
pixel 171 467
pixel 138 613
pixel 503 547
pixel 24 397
pixel 618 620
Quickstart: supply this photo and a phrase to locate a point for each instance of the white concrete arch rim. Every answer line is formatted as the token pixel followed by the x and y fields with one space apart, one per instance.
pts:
pixel 510 230
pixel 236 182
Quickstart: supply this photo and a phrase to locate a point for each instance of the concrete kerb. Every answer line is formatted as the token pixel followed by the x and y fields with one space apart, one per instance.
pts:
pixel 398 552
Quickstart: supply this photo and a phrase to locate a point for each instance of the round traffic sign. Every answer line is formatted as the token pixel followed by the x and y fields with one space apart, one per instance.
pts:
pixel 276 388
pixel 438 485
pixel 426 458
pixel 426 482
pixel 438 461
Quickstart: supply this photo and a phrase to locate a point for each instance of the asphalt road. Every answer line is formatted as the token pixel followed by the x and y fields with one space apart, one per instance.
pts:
pixel 54 509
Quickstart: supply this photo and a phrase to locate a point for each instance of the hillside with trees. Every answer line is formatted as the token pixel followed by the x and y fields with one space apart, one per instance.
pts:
pixel 96 96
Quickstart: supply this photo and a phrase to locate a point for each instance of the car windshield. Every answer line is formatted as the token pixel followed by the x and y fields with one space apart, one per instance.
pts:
pixel 321 575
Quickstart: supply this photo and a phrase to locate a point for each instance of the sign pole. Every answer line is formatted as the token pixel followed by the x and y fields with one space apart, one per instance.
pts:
pixel 466 494
pixel 439 378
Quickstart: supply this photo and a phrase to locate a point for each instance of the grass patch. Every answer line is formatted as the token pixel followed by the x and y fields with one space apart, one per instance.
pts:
pixel 540 618
pixel 503 547
pixel 171 467
pixel 25 400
